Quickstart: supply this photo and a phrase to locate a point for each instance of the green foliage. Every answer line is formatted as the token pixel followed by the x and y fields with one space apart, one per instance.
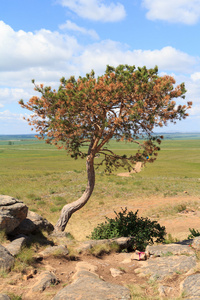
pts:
pixel 170 239
pixel 14 296
pixel 143 230
pixel 100 249
pixel 194 233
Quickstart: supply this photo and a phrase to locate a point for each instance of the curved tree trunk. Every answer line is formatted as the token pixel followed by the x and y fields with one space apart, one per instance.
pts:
pixel 70 208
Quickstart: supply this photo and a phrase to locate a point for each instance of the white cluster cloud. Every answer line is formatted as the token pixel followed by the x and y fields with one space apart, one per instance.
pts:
pixel 174 11
pixel 26 49
pixel 73 27
pixel 96 10
pixel 196 76
pixel 9 95
pixel 47 56
pixel 97 56
pixel 7 115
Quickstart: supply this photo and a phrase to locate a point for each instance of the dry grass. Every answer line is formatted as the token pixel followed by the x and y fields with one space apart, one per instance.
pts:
pixel 46 178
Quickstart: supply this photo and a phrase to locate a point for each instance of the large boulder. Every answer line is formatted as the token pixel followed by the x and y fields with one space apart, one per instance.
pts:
pixel 6 259
pixel 33 223
pixel 12 213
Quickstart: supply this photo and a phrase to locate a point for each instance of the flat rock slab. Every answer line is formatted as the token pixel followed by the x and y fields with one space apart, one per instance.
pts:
pixel 170 249
pixel 54 250
pixel 88 286
pixel 6 259
pixel 12 213
pixel 161 267
pixel 191 286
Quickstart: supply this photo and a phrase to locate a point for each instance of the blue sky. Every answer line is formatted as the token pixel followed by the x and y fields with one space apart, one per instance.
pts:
pixel 46 40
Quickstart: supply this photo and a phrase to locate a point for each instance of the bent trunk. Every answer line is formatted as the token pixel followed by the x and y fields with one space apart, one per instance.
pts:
pixel 70 208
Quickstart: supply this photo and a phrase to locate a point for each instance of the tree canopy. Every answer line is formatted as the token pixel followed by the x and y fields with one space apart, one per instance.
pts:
pixel 124 103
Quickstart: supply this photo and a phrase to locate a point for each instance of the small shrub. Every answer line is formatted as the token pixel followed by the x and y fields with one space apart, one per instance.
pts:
pixel 14 297
pixel 170 239
pixel 180 207
pixel 69 236
pixel 193 233
pixel 105 248
pixel 73 253
pixel 143 230
pixel 52 192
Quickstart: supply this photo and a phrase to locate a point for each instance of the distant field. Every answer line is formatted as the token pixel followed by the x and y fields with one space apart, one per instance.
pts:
pixel 46 178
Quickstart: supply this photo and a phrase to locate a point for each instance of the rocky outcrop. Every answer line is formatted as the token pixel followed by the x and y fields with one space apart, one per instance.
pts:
pixel 12 213
pixel 166 260
pixel 88 285
pixel 170 249
pixel 161 267
pixel 33 223
pixel 6 259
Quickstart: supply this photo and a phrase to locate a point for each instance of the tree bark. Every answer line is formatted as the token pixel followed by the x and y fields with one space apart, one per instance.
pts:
pixel 70 208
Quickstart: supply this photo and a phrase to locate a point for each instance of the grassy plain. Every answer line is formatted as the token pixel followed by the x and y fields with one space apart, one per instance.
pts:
pixel 46 178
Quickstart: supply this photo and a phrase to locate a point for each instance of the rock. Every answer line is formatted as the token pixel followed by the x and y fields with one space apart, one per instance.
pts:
pixel 44 280
pixel 89 286
pixel 170 249
pixel 30 274
pixel 33 223
pixel 161 267
pixel 196 243
pixel 4 297
pixel 191 286
pixel 164 290
pixel 116 272
pixel 54 250
pixel 16 245
pixel 122 242
pixel 12 213
pixel 6 259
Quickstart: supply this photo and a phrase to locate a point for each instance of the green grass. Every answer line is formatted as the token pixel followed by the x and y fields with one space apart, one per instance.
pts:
pixel 46 178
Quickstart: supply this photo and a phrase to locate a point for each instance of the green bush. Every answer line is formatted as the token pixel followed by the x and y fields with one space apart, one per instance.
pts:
pixel 194 233
pixel 127 224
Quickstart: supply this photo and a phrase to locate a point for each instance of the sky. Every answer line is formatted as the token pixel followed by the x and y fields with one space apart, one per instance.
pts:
pixel 48 39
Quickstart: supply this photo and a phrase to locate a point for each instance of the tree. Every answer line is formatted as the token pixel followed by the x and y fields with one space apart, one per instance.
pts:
pixel 125 103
